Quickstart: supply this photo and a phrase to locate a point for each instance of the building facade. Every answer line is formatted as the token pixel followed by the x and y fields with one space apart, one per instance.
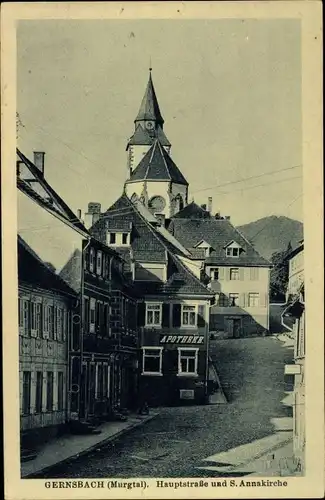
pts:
pixel 294 314
pixel 45 308
pixel 173 305
pixel 232 269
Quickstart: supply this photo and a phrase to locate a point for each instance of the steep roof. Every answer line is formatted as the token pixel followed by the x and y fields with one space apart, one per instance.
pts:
pixel 142 137
pixel 192 211
pixel 218 233
pixel 148 245
pixel 32 269
pixel 157 165
pixel 149 109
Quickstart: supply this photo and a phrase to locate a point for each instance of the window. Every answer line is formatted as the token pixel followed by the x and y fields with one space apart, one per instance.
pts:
pixel 152 360
pixel 232 252
pixel 86 261
pixel 38 319
pixel 253 299
pixel 49 391
pixel 50 319
pixel 234 273
pixel 26 317
pixel 222 300
pixel 92 309
pixel 234 299
pixel 214 273
pixel 59 323
pixel 187 361
pixel 33 318
pixel 99 263
pixel 188 315
pixel 91 260
pixel 60 391
pixel 125 238
pixel 112 238
pixel 26 392
pixel 86 314
pixel 39 392
pixel 153 314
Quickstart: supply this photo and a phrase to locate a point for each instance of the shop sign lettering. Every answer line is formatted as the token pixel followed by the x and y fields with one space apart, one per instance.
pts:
pixel 182 339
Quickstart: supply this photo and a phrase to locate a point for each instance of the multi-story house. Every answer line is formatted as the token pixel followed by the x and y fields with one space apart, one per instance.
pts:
pixel 103 355
pixel 233 269
pixel 45 308
pixel 173 314
pixel 293 318
pixel 103 340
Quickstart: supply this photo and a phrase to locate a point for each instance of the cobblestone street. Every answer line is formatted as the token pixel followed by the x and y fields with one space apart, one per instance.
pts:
pixel 178 441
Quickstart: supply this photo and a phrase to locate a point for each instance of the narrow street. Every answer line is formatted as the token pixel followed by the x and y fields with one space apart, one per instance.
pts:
pixel 180 439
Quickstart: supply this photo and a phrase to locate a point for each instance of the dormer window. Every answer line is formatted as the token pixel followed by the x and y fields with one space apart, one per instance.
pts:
pixel 205 247
pixel 232 252
pixel 118 238
pixel 233 249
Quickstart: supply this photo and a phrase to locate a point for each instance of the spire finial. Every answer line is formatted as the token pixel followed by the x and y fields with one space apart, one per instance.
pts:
pixel 150 65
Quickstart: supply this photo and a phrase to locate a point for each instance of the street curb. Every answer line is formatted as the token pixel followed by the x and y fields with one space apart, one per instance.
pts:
pixel 265 452
pixel 92 448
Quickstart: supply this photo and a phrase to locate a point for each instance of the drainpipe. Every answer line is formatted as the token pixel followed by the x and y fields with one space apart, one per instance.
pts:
pixel 82 315
pixel 282 320
pixel 207 351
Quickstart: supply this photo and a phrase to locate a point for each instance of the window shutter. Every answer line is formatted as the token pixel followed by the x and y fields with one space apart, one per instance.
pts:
pixel 242 301
pixel 241 273
pixel 262 299
pixel 92 315
pixel 165 315
pixel 45 321
pixel 221 273
pixel 55 322
pixel 227 273
pixel 141 313
pixel 177 315
pixel 201 315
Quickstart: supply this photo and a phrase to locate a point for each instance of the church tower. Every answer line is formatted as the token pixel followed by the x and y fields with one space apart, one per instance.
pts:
pixel 149 125
pixel 153 176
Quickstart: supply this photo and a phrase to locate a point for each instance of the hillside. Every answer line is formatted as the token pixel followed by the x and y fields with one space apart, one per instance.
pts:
pixel 272 234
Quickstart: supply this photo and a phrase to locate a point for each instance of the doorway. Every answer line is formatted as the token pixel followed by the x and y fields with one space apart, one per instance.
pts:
pixel 234 327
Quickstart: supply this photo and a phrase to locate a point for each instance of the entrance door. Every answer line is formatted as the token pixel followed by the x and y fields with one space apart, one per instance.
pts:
pixel 236 328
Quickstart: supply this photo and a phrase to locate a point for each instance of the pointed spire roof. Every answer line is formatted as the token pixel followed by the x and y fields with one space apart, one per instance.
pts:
pixel 149 109
pixel 157 165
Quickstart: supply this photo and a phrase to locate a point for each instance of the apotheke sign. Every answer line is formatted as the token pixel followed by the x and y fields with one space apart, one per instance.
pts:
pixel 182 339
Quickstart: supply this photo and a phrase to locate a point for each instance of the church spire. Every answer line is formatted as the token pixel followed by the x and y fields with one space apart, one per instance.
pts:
pixel 149 109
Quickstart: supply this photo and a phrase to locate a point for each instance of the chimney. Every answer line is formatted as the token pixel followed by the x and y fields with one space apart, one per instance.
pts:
pixel 204 207
pixel 39 161
pixel 210 204
pixel 92 215
pixel 227 217
pixel 94 207
pixel 79 214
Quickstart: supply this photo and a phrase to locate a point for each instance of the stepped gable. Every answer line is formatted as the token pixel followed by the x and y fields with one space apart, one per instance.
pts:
pixel 218 233
pixel 157 165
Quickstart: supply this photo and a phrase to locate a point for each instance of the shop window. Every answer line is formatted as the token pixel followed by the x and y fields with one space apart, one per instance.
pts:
pixel 26 392
pixel 187 361
pixel 49 391
pixel 152 360
pixel 234 273
pixel 39 392
pixel 153 314
pixel 233 299
pixel 60 391
pixel 253 299
pixel 189 315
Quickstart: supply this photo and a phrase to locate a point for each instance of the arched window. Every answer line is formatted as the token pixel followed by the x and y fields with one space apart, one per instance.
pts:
pixel 179 203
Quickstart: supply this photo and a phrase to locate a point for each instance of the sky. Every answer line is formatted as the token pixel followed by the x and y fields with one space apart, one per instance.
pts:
pixel 229 91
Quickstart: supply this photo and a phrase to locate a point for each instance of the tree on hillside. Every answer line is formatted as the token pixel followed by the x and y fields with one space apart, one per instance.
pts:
pixel 279 274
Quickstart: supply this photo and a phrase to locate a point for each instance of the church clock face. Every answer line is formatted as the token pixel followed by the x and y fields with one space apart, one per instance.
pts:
pixel 157 203
pixel 149 125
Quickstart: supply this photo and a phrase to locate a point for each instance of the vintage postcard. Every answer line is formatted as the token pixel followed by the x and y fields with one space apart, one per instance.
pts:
pixel 162 250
